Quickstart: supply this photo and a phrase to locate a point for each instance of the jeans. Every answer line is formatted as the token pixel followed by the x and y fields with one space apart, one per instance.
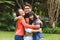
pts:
pixel 18 37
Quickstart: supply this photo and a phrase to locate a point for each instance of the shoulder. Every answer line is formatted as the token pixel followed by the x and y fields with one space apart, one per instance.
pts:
pixel 20 17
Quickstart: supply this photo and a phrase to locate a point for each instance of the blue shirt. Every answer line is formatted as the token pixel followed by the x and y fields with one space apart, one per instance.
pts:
pixel 37 35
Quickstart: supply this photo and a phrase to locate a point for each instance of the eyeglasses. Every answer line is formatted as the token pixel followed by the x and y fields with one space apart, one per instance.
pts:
pixel 27 8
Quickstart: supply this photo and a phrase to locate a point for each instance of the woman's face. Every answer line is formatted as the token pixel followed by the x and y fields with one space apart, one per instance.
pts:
pixel 31 17
pixel 21 12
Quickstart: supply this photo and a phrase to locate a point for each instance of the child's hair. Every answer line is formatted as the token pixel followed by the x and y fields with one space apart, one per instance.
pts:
pixel 31 14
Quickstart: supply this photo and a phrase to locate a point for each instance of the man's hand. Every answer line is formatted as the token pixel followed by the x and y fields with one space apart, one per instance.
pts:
pixel 19 17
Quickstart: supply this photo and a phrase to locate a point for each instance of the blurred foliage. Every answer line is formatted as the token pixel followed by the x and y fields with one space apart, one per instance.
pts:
pixel 7 21
pixel 7 8
pixel 52 30
pixel 6 15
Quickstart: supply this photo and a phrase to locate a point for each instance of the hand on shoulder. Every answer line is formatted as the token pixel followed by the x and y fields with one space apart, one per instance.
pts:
pixel 19 17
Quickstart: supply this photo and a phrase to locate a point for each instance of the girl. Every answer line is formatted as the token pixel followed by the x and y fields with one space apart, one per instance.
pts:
pixel 37 21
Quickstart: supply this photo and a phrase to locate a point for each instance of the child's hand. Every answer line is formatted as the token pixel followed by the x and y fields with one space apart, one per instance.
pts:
pixel 38 21
pixel 40 30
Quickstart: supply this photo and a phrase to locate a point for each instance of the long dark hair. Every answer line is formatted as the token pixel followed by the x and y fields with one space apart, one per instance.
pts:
pixel 30 14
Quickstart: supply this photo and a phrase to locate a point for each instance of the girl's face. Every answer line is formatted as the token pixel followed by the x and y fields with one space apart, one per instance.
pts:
pixel 21 12
pixel 31 17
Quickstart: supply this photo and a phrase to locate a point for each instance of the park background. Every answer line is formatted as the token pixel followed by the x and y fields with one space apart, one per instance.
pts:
pixel 48 10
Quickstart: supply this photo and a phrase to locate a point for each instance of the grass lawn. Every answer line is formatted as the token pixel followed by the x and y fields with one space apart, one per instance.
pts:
pixel 4 35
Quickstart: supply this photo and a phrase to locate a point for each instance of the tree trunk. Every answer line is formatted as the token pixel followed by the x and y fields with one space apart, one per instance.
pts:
pixel 52 10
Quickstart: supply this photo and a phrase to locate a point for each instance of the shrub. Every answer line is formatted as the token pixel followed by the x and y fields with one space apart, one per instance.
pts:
pixel 52 30
pixel 7 21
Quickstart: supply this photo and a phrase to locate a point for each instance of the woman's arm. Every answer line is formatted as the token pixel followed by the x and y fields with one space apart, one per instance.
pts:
pixel 27 25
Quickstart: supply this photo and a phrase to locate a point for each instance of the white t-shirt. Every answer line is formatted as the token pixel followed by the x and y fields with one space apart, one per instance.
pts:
pixel 28 30
pixel 28 38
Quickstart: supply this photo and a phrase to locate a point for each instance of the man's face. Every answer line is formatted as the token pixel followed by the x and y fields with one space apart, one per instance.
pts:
pixel 27 9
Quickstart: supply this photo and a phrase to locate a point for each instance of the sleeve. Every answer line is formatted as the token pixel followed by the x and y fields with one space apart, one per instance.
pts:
pixel 27 25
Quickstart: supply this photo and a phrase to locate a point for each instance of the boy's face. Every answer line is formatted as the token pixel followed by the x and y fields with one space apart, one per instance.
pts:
pixel 27 9
pixel 31 17
pixel 27 20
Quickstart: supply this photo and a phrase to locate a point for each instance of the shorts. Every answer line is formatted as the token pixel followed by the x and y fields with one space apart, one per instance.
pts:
pixel 18 37
pixel 28 38
pixel 37 36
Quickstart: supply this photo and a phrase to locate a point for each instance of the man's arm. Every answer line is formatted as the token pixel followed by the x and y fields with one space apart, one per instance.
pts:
pixel 16 18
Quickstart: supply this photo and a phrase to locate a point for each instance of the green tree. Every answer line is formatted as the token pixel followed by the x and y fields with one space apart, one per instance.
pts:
pixel 6 17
